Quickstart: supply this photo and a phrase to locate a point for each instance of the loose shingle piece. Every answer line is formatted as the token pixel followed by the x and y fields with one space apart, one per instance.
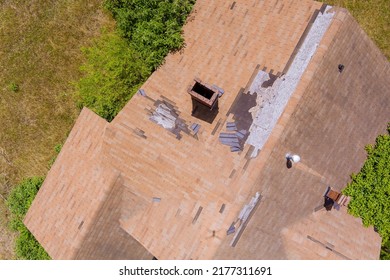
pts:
pixel 141 92
pixel 230 139
pixel 231 126
pixel 241 134
pixel 195 127
pixel 220 90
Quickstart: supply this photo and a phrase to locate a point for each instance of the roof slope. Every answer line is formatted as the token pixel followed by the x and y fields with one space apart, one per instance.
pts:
pixel 72 200
pixel 328 121
pixel 73 205
pixel 196 173
pixel 329 235
pixel 158 184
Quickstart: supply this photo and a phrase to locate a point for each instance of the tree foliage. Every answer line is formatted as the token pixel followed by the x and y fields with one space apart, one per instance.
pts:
pixel 153 27
pixel 113 72
pixel 370 190
pixel 119 62
pixel 385 253
pixel 19 201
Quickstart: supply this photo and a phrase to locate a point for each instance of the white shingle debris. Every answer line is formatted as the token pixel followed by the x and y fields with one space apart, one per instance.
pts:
pixel 163 116
pixel 271 101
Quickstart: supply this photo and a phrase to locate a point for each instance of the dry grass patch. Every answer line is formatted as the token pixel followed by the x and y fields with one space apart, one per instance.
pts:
pixel 373 16
pixel 39 58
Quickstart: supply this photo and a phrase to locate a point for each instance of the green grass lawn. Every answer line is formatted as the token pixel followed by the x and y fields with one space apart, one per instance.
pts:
pixel 373 16
pixel 40 56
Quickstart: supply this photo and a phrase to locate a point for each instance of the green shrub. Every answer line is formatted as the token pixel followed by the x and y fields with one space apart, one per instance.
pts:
pixel 152 27
pixel 28 248
pixel 113 73
pixel 370 190
pixel 18 202
pixel 118 64
pixel 21 197
pixel 385 252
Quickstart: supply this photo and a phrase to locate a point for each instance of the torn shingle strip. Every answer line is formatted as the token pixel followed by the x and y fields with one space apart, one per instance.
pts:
pixel 231 126
pixel 227 135
pixel 230 143
pixel 195 127
pixel 141 92
pixel 235 149
pixel 241 134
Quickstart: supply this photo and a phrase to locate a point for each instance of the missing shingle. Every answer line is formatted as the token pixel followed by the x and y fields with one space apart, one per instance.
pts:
pixel 232 6
pixel 318 208
pixel 281 8
pixel 329 246
pixel 249 152
pixel 140 133
pixel 222 208
pixel 169 101
pixel 232 173
pixel 197 214
pixel 81 225
pixel 246 164
pixel 216 127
